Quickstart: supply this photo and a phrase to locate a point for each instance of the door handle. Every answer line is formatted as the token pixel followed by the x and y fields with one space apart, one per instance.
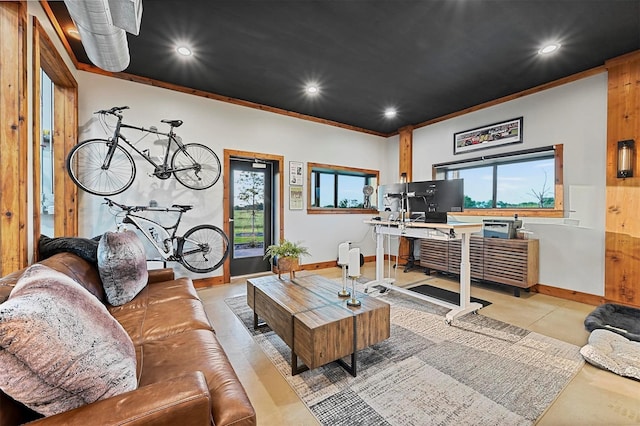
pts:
pixel 230 220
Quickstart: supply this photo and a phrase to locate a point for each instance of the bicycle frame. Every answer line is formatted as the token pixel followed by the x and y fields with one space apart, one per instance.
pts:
pixel 117 136
pixel 142 223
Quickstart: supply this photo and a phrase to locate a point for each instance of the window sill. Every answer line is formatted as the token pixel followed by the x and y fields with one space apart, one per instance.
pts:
pixel 319 210
pixel 512 212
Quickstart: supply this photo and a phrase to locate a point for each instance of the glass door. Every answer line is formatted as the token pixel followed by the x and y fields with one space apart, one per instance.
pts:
pixel 251 215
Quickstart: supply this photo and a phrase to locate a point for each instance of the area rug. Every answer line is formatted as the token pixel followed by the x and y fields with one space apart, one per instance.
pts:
pixel 477 371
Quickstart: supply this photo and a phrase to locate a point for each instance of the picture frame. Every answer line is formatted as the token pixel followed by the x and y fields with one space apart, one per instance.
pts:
pixel 295 198
pixel 492 135
pixel 296 175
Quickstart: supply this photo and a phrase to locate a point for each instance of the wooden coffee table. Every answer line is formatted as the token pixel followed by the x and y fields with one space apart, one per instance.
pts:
pixel 315 322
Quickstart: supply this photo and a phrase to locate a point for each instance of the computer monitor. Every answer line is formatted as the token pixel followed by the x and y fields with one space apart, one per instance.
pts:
pixel 436 198
pixel 391 197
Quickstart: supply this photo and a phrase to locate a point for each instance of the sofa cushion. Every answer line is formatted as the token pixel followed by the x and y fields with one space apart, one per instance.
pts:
pixel 160 320
pixel 122 265
pixel 59 347
pixel 230 404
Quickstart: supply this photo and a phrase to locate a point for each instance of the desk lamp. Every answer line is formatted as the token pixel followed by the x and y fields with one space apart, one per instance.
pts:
pixel 343 261
pixel 354 272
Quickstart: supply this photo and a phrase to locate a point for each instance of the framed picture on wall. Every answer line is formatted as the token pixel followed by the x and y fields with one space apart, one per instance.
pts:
pixel 295 198
pixel 489 136
pixel 295 173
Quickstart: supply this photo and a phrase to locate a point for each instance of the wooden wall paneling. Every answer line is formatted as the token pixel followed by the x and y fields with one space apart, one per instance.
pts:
pixel 622 229
pixel 13 137
pixel 64 137
pixel 405 154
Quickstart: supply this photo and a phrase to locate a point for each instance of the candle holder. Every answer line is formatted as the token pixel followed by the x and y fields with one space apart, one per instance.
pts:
pixel 354 272
pixel 343 261
pixel 353 301
pixel 344 292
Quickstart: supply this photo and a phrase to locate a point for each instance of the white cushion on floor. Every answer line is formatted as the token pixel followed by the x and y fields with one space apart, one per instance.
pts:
pixel 613 352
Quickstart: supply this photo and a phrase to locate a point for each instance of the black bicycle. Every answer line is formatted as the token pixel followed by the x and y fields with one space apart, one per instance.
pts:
pixel 105 167
pixel 203 248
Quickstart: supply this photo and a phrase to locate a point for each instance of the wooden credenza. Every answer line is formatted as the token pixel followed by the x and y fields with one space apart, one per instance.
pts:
pixel 506 261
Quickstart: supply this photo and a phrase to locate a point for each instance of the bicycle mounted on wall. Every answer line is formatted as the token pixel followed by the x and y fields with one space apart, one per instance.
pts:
pixel 203 248
pixel 105 167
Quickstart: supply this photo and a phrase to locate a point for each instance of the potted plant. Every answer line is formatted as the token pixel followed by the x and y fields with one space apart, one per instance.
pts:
pixel 285 256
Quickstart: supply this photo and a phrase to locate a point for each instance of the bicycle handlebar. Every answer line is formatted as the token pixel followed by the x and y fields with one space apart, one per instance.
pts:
pixel 128 209
pixel 112 111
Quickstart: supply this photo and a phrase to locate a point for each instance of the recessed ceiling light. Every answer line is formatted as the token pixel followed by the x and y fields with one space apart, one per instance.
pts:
pixel 390 112
pixel 549 48
pixel 184 51
pixel 312 89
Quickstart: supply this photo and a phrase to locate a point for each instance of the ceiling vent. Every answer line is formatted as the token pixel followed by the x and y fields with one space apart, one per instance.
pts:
pixel 102 25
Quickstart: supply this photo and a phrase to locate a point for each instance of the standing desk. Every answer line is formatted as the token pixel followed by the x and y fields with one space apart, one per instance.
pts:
pixel 440 231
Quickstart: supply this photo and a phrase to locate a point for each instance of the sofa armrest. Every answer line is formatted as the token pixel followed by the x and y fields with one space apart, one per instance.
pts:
pixel 184 400
pixel 160 275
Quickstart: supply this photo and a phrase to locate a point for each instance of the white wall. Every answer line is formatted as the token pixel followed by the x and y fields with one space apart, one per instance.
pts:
pixel 575 115
pixel 222 125
pixel 571 257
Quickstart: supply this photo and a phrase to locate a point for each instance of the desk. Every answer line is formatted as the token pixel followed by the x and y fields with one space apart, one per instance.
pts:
pixel 442 231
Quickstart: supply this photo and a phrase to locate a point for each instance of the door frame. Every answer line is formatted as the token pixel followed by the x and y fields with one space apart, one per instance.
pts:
pixel 279 195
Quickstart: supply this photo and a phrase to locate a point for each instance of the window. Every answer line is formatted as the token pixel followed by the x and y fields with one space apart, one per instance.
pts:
pixel 337 189
pixel 529 182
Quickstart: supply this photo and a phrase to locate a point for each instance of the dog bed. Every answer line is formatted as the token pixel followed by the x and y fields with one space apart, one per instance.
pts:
pixel 619 319
pixel 613 352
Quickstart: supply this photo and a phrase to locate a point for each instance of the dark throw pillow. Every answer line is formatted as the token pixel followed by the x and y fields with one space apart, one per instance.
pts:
pixel 122 264
pixel 84 247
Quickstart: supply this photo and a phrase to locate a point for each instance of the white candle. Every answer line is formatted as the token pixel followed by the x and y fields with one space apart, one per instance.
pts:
pixel 343 254
pixel 354 262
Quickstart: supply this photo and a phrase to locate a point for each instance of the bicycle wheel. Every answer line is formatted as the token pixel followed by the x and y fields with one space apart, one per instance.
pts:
pixel 85 166
pixel 196 166
pixel 203 248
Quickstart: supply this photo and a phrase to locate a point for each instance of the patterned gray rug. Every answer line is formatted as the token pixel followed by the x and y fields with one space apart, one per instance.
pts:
pixel 478 371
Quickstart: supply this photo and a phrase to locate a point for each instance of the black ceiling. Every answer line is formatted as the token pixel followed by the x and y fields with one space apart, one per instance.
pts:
pixel 426 58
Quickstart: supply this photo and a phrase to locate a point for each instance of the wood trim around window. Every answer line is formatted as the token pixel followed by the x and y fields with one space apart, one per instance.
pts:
pixel 65 99
pixel 323 210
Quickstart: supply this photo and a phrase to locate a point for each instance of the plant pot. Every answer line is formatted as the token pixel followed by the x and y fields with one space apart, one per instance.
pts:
pixel 288 264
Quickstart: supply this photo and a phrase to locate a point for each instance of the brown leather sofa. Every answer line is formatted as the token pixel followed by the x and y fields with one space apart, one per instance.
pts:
pixel 184 375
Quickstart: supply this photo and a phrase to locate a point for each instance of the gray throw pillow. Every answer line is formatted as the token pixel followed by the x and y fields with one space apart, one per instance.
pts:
pixel 59 346
pixel 122 264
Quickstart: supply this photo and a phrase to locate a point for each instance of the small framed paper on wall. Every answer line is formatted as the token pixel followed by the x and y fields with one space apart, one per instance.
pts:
pixel 295 173
pixel 295 198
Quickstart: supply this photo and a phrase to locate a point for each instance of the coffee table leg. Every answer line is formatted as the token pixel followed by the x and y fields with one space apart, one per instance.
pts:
pixel 294 365
pixel 352 369
pixel 257 324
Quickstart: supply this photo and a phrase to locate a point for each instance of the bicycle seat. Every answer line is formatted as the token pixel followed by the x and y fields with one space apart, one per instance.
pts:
pixel 173 123
pixel 183 207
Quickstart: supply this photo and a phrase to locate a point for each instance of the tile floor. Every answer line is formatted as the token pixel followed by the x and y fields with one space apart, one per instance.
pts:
pixel 593 397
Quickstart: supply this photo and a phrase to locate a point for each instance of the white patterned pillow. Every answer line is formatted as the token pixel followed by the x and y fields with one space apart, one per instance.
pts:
pixel 122 264
pixel 59 346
